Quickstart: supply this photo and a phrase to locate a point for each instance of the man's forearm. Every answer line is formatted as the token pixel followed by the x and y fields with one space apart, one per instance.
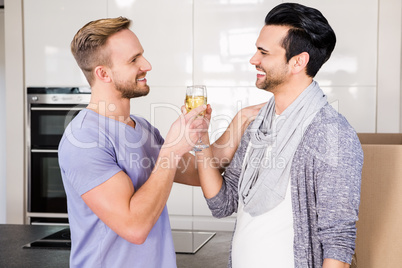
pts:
pixel 225 147
pixel 223 150
pixel 210 178
pixel 187 171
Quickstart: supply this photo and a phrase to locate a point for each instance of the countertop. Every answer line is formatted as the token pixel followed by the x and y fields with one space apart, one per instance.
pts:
pixel 13 237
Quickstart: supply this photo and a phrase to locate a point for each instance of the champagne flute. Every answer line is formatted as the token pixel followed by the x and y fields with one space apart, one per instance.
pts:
pixel 196 96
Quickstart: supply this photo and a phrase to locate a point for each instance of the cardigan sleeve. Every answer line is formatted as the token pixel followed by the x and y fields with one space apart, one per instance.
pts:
pixel 338 180
pixel 326 187
pixel 226 201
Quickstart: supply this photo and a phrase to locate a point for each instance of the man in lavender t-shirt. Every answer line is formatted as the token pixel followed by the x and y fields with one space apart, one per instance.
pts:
pixel 90 157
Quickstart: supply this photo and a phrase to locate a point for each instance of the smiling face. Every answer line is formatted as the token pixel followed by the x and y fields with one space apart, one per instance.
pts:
pixel 129 67
pixel 270 60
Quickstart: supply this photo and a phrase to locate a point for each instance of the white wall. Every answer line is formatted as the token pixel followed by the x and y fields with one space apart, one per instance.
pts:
pixel 210 42
pixel 15 108
pixel 2 123
pixel 389 67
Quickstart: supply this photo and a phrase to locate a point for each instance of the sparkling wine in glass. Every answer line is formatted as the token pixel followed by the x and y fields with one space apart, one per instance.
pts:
pixel 196 96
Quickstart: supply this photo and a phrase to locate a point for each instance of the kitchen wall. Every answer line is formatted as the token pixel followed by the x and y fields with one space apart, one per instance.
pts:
pixel 2 123
pixel 202 42
pixel 15 111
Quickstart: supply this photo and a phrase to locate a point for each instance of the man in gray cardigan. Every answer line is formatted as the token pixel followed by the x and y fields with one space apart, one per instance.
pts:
pixel 295 178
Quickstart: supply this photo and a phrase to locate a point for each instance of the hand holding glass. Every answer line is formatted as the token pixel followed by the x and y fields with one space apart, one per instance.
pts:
pixel 196 96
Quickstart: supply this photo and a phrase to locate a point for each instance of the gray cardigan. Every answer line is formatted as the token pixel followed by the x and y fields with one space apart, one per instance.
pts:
pixel 325 188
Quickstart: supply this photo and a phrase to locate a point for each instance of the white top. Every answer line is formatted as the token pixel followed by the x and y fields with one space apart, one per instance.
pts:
pixel 265 240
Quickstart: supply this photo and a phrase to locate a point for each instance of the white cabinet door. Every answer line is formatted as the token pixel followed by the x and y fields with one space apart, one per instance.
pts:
pixel 49 27
pixel 225 33
pixel 349 78
pixel 354 60
pixel 165 31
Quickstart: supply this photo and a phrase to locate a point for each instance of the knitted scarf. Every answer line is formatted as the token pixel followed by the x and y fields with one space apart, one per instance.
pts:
pixel 274 139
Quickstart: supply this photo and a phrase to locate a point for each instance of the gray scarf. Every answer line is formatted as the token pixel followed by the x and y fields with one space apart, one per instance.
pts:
pixel 265 173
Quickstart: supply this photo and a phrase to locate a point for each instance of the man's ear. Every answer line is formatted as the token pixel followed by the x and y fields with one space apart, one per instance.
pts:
pixel 299 62
pixel 102 74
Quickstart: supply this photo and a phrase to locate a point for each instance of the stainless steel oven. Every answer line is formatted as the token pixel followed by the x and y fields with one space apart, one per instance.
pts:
pixel 49 112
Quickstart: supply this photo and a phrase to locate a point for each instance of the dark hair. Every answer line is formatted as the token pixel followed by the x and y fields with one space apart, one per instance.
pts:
pixel 88 42
pixel 309 32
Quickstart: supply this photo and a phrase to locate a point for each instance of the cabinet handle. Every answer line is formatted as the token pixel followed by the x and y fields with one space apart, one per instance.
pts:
pixel 56 108
pixel 43 151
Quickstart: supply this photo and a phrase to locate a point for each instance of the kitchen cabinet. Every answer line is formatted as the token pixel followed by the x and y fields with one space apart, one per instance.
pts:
pixel 225 33
pixel 349 78
pixel 220 38
pixel 205 42
pixel 166 34
pixel 49 27
pixel 165 31
pixel 3 154
pixel 354 60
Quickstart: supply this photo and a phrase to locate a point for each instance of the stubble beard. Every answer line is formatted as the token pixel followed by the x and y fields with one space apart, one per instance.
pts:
pixel 131 90
pixel 269 84
pixel 272 81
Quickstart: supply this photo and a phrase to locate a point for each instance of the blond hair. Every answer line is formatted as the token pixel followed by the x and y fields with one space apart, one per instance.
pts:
pixel 88 43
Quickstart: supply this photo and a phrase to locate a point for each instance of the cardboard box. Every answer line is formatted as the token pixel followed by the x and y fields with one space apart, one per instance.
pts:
pixel 379 229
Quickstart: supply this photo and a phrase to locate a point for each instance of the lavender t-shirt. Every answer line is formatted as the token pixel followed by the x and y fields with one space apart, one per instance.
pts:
pixel 92 150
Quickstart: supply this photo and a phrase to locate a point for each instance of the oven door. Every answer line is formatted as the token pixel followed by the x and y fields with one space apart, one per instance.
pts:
pixel 46 190
pixel 48 123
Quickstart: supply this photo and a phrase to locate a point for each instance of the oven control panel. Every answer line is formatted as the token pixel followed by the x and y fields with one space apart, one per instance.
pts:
pixel 59 98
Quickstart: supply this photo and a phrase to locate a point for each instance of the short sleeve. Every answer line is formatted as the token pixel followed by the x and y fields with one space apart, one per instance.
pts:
pixel 87 159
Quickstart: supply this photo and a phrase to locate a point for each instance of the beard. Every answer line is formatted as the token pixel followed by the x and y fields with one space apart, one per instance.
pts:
pixel 273 79
pixel 131 90
pixel 269 84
